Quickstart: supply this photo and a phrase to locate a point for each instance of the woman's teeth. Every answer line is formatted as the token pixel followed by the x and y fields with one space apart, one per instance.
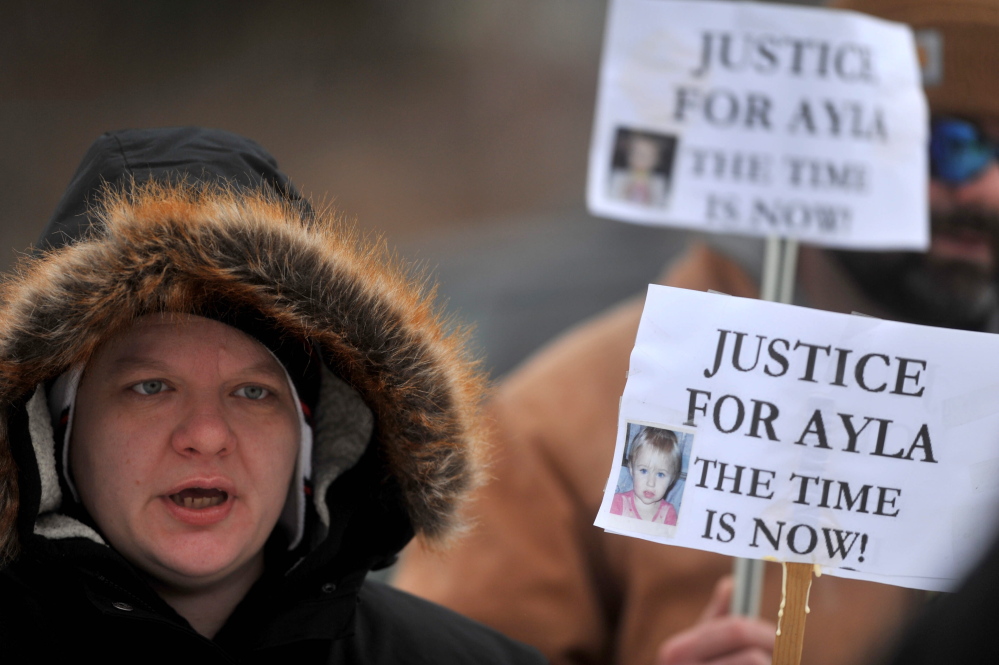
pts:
pixel 199 499
pixel 207 502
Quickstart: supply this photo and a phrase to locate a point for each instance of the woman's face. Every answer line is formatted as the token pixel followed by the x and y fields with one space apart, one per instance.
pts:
pixel 650 475
pixel 185 436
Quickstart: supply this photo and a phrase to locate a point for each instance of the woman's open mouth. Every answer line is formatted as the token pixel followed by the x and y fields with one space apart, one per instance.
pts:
pixel 201 505
pixel 198 498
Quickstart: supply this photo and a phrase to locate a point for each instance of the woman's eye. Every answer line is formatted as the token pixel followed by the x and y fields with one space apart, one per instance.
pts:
pixel 252 392
pixel 151 387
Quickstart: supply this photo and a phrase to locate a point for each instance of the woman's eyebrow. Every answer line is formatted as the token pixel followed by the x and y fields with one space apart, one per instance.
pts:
pixel 131 362
pixel 266 367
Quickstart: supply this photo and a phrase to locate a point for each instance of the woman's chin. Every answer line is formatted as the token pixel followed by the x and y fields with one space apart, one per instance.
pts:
pixel 199 562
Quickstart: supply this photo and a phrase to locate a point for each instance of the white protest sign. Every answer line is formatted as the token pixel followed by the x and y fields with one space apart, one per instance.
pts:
pixel 869 447
pixel 742 117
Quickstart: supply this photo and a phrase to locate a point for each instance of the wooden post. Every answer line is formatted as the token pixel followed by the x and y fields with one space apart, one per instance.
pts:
pixel 793 610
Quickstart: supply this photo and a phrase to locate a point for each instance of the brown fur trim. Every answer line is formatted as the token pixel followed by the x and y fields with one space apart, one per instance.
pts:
pixel 171 248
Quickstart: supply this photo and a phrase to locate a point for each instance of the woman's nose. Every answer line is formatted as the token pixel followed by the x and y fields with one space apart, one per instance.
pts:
pixel 204 430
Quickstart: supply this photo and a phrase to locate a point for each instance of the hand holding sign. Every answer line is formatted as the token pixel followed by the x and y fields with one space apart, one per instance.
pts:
pixel 865 446
pixel 719 636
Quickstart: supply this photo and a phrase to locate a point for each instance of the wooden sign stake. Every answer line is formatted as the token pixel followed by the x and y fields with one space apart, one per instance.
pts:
pixel 793 611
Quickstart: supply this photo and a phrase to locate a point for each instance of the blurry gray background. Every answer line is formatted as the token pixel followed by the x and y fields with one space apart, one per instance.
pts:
pixel 459 129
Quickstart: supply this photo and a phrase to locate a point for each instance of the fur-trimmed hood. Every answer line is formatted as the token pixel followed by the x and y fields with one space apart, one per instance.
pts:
pixel 174 239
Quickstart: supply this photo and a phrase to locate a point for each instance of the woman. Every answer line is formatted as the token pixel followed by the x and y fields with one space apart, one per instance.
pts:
pixel 221 410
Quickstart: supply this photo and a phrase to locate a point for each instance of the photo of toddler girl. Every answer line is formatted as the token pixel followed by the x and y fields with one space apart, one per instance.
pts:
pixel 654 462
pixel 642 167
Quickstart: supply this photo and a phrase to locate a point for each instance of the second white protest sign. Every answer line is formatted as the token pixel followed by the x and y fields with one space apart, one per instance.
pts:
pixel 741 117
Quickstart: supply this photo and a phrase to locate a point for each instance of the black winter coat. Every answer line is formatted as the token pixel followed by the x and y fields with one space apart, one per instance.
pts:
pixel 77 601
pixel 202 222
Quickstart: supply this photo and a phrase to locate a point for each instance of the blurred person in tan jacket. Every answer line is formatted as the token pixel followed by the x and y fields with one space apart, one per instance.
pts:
pixel 536 568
